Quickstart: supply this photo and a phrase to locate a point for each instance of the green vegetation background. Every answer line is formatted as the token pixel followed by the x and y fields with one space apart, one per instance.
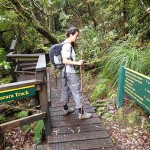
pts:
pixel 113 33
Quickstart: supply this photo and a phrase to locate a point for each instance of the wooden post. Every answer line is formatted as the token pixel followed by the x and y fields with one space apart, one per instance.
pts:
pixel 41 75
pixel 13 45
pixel 12 65
pixel 13 62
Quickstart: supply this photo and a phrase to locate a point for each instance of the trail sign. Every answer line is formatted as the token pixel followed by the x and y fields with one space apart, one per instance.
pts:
pixel 17 93
pixel 134 85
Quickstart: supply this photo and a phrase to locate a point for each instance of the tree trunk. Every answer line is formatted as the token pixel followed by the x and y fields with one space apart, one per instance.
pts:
pixel 40 28
pixel 123 18
pixel 46 33
pixel 91 15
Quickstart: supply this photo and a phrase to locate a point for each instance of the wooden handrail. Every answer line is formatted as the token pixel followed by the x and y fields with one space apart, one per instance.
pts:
pixel 22 121
pixel 16 56
pixel 19 84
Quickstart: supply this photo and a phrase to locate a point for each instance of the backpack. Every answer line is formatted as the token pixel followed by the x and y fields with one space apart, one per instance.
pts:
pixel 55 55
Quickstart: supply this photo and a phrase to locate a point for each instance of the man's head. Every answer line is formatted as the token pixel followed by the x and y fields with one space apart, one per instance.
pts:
pixel 72 33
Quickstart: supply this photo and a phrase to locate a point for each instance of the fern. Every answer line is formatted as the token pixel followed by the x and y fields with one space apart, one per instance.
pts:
pixel 21 114
pixel 38 131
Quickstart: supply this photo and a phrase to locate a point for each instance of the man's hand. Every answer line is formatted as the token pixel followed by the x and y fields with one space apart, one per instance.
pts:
pixel 80 62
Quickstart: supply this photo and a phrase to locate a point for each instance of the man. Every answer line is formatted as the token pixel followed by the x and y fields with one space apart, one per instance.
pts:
pixel 70 81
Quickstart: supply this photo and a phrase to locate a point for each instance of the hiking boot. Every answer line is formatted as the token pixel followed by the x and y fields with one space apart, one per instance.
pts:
pixel 70 110
pixel 85 115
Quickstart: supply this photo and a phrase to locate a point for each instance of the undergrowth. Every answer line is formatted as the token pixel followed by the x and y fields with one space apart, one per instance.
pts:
pixel 35 129
pixel 103 97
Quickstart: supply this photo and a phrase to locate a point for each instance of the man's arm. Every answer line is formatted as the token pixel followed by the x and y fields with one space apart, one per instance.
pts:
pixel 70 62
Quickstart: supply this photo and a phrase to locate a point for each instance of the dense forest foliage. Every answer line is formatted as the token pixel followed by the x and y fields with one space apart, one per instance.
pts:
pixel 113 33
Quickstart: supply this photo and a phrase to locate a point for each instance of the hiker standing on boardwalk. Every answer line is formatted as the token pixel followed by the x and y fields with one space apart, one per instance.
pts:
pixel 70 80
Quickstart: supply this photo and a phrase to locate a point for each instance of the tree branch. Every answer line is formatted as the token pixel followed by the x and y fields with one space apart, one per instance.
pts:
pixel 5 5
pixel 40 28
pixel 36 6
pixel 38 12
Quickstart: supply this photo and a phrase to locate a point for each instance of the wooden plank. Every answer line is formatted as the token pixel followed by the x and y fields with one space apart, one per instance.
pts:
pixel 23 77
pixel 78 136
pixel 27 64
pixel 29 68
pixel 20 84
pixel 58 106
pixel 16 56
pixel 84 145
pixel 90 144
pixel 69 117
pixel 59 113
pixel 41 64
pixel 75 122
pixel 26 59
pixel 29 59
pixel 25 72
pixel 97 144
pixel 22 121
pixel 38 147
pixel 78 129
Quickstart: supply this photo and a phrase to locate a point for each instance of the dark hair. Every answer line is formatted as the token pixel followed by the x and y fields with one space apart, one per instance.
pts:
pixel 72 31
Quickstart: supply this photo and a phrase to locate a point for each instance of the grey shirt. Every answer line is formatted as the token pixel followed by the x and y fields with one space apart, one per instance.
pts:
pixel 68 54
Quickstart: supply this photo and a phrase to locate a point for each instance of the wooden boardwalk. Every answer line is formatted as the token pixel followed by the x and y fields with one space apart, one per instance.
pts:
pixel 70 133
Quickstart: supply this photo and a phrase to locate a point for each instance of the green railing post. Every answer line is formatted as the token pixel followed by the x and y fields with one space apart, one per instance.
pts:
pixel 120 94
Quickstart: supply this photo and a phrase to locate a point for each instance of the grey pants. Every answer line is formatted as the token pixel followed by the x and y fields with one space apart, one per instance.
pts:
pixel 70 84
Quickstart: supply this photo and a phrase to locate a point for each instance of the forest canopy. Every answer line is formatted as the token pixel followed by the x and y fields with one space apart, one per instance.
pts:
pixel 109 29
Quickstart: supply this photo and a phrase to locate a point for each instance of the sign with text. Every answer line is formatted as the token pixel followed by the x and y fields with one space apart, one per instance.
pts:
pixel 17 93
pixel 134 85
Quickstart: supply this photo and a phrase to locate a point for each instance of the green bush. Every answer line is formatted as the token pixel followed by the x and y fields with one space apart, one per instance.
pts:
pixel 2 55
pixel 126 54
pixel 89 44
pixel 101 88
